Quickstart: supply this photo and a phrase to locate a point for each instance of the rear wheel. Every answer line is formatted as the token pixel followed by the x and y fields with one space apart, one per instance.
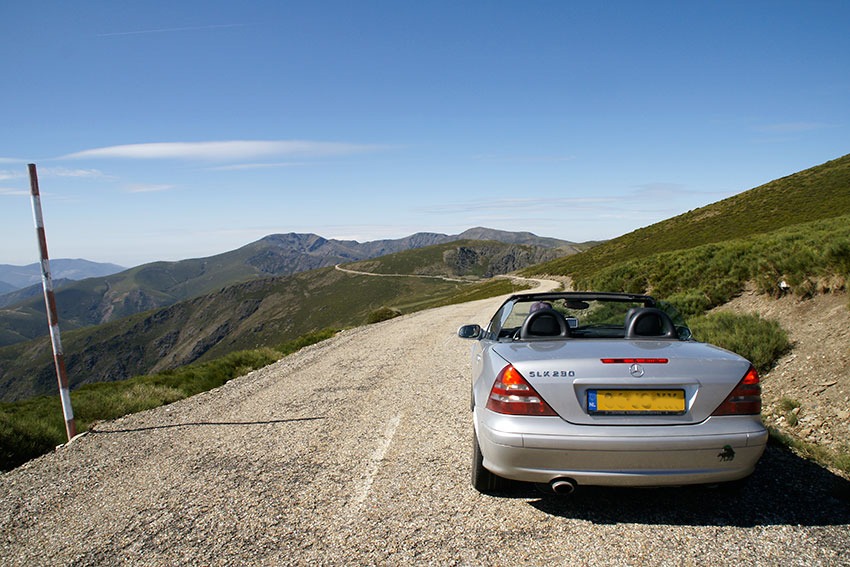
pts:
pixel 482 479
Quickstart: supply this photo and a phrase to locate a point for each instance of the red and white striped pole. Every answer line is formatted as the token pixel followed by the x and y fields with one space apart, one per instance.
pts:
pixel 50 302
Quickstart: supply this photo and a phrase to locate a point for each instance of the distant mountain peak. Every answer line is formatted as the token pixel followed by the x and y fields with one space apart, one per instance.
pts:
pixel 19 277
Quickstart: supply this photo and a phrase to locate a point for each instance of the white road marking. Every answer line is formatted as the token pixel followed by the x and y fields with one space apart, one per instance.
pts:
pixel 372 466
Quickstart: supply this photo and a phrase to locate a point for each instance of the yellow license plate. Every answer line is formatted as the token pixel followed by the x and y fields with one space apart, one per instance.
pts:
pixel 636 401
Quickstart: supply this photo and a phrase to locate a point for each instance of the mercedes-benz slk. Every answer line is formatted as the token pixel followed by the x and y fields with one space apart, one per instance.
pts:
pixel 575 388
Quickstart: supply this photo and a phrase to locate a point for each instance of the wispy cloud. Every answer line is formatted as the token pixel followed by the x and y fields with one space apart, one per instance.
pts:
pixel 643 202
pixel 529 204
pixel 149 188
pixel 10 192
pixel 11 174
pixel 52 172
pixel 233 150
pixel 659 190
pixel 248 166
pixel 792 127
pixel 663 193
pixel 505 158
pixel 172 30
pixel 66 172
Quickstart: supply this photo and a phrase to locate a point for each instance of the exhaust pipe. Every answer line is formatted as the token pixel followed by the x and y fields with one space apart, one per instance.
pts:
pixel 563 486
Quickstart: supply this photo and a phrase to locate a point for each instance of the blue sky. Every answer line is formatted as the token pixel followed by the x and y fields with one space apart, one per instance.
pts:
pixel 173 130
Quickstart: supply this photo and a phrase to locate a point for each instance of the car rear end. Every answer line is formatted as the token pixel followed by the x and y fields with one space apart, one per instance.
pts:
pixel 618 413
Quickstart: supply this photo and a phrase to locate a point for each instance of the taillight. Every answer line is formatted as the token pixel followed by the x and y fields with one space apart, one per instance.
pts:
pixel 745 398
pixel 511 394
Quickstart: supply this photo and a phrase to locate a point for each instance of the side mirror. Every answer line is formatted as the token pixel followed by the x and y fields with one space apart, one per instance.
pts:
pixel 684 333
pixel 470 332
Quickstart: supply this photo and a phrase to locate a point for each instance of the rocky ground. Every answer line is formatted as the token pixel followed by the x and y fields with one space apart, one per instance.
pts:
pixel 807 393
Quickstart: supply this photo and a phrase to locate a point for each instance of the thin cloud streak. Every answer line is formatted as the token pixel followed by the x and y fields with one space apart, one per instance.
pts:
pixel 223 151
pixel 249 166
pixel 153 188
pixel 65 172
pixel 524 158
pixel 792 127
pixel 10 174
pixel 520 204
pixel 173 30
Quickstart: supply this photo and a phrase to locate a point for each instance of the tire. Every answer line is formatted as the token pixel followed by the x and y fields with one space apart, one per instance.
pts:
pixel 483 480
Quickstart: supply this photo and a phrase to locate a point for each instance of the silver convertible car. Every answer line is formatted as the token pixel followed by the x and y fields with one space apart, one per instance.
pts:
pixel 573 389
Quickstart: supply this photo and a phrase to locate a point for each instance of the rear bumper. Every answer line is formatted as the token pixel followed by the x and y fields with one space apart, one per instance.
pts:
pixel 541 449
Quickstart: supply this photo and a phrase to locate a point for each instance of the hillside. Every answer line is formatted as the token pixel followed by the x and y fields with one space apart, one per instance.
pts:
pixel 817 193
pixel 99 300
pixel 20 295
pixel 257 313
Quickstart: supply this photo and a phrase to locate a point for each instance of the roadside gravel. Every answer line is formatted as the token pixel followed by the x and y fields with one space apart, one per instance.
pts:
pixel 356 451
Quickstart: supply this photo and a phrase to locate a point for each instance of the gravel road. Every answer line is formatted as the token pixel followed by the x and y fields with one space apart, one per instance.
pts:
pixel 356 451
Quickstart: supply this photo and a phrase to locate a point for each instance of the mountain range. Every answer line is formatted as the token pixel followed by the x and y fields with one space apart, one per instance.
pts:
pixel 17 277
pixel 257 312
pixel 98 300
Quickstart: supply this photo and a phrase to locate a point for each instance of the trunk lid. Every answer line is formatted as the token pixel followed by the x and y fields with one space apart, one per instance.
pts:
pixel 573 379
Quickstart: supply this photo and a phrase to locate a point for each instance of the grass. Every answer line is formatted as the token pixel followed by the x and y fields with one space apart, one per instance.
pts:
pixel 490 288
pixel 33 427
pixel 787 407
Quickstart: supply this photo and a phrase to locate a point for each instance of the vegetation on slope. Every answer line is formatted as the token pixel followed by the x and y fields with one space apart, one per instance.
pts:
pixel 821 192
pixel 809 258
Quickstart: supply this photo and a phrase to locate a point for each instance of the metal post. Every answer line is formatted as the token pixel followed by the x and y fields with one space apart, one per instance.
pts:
pixel 50 302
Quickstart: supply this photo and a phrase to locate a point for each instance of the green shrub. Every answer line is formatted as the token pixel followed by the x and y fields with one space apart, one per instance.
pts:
pixel 305 340
pixel 382 314
pixel 760 341
pixel 690 304
pixel 838 255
